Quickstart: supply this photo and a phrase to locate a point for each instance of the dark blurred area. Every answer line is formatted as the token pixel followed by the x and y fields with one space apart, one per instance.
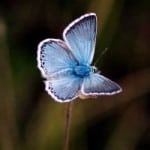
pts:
pixel 31 120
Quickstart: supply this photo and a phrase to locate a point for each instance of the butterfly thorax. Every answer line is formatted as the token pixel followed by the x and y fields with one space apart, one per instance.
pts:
pixel 82 70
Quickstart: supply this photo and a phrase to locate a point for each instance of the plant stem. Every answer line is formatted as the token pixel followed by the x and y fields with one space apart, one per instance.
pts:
pixel 67 125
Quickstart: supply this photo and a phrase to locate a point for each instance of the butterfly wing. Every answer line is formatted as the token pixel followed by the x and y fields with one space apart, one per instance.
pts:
pixel 65 88
pixel 54 56
pixel 96 84
pixel 80 36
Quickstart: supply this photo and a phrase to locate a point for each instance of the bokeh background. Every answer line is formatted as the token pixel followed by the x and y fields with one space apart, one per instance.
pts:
pixel 31 120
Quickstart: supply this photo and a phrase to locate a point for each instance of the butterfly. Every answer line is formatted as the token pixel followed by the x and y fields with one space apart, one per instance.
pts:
pixel 66 64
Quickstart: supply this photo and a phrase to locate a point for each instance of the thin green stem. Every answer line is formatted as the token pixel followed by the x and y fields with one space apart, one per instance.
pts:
pixel 67 125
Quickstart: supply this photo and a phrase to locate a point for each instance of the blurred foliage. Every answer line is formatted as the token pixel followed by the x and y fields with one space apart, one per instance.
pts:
pixel 30 119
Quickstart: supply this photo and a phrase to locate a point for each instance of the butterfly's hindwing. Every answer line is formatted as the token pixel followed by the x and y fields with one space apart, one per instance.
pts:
pixel 64 89
pixel 96 84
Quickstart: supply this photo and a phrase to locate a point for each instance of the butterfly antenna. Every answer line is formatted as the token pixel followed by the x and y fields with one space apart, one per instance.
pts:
pixel 103 52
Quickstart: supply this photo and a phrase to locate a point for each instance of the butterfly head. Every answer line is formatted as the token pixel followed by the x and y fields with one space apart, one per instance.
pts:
pixel 94 69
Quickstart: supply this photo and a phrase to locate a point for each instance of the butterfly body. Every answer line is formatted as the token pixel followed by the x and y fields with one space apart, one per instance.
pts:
pixel 82 70
pixel 66 64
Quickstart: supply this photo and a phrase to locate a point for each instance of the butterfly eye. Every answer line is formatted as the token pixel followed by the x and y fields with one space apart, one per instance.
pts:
pixel 94 69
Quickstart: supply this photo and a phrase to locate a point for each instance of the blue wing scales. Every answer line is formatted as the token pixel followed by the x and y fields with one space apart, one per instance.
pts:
pixel 54 56
pixel 97 84
pixel 64 89
pixel 80 36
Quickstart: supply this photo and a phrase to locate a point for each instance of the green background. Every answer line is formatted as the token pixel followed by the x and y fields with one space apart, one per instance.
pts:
pixel 31 120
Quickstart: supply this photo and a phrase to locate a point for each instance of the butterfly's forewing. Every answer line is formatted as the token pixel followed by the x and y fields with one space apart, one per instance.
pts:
pixel 80 36
pixel 53 57
pixel 65 88
pixel 96 84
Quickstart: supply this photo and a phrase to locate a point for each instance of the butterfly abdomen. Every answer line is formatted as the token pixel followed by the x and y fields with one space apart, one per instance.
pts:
pixel 82 70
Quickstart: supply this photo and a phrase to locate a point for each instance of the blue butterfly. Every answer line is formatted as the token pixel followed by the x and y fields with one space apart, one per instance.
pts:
pixel 66 64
